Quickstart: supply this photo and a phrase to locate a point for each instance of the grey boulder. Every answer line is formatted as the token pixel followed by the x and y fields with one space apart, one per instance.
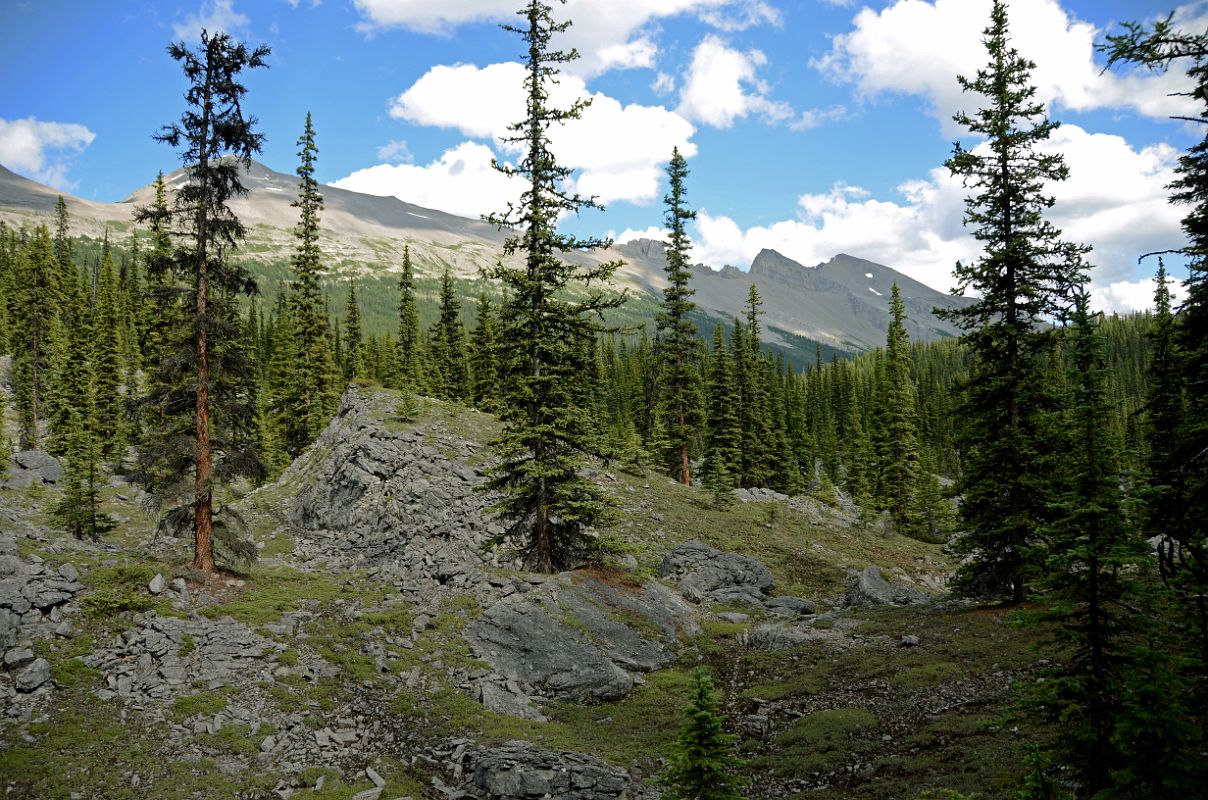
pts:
pixel 869 588
pixel 706 573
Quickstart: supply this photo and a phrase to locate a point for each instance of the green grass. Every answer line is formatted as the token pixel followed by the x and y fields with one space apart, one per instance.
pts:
pixel 204 704
pixel 816 742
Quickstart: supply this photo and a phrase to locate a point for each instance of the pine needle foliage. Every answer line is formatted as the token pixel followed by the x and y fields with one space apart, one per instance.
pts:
pixel 547 338
pixel 1024 277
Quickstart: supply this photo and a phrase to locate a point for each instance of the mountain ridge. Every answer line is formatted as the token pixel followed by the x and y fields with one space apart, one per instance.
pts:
pixel 841 303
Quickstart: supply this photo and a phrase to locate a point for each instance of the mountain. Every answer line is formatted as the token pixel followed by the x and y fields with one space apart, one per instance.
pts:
pixel 842 304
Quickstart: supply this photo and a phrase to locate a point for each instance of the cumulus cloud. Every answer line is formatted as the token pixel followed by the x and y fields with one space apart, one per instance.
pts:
pixel 617 149
pixel 1126 296
pixel 42 150
pixel 919 47
pixel 218 15
pixel 1115 200
pixel 608 35
pixel 722 85
pixel 462 181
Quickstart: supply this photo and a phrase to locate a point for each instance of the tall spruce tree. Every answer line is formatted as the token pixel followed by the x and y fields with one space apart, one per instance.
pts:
pixel 313 394
pixel 1184 504
pixel 550 506
pixel 36 329
pixel 1089 549
pixel 898 434
pixel 166 438
pixel 724 428
pixel 217 140
pixel 678 348
pixel 754 411
pixel 449 344
pixel 107 352
pixel 1024 277
pixel 409 344
pixel 354 343
pixel 484 358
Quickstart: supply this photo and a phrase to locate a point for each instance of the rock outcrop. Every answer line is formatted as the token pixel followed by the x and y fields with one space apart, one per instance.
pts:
pixel 521 771
pixel 869 588
pixel 31 468
pixel 578 637
pixel 401 501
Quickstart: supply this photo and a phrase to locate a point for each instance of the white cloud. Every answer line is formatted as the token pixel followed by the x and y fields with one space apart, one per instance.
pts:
pixel 663 84
pixel 395 152
pixel 218 15
pixel 740 16
pixel 919 47
pixel 618 149
pixel 1115 200
pixel 1126 296
pixel 608 35
pixel 461 182
pixel 42 150
pixel 722 85
pixel 814 117
pixel 629 234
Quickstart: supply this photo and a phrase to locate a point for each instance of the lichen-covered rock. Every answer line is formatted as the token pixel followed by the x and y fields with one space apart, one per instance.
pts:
pixel 402 502
pixel 869 588
pixel 577 636
pixel 521 771
pixel 706 573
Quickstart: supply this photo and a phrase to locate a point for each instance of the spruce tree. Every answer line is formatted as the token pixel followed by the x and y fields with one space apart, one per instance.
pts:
pixel 1024 277
pixel 754 411
pixel 1088 550
pixel 678 349
pixel 449 344
pixel 107 358
pixel 79 509
pixel 485 357
pixel 549 505
pixel 703 765
pixel 217 140
pixel 409 367
pixel 166 435
pixel 314 392
pixel 36 328
pixel 899 457
pixel 1182 505
pixel 724 430
pixel 354 344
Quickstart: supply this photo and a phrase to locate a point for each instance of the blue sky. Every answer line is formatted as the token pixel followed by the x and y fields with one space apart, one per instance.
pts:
pixel 813 127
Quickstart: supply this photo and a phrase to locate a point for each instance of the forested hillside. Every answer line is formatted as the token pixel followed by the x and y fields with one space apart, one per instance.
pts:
pixel 519 494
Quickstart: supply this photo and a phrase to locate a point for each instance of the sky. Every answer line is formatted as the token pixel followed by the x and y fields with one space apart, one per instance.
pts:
pixel 812 127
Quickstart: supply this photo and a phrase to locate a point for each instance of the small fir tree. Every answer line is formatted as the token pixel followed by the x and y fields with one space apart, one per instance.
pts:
pixel 703 765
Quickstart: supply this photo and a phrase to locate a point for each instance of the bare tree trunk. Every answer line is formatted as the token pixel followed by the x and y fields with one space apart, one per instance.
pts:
pixel 203 509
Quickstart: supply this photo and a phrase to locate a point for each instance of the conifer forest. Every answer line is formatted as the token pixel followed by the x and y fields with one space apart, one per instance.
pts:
pixel 524 531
